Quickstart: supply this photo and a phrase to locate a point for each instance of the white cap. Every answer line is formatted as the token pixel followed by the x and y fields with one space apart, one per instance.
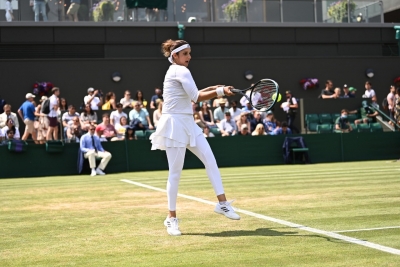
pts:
pixel 29 95
pixel 244 126
pixel 90 89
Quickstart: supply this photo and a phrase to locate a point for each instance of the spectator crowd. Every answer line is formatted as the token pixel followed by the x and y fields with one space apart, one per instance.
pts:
pixel 51 118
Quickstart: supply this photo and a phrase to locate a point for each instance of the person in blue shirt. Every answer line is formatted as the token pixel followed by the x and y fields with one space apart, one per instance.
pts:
pixel 27 114
pixel 158 95
pixel 284 129
pixel 91 148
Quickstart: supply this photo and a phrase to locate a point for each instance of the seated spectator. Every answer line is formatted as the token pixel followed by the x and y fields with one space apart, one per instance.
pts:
pixel 368 114
pixel 228 125
pixel 68 116
pixel 8 137
pixel 198 121
pixel 374 102
pixel 327 92
pixel 342 124
pixel 248 107
pixel 121 128
pixel 158 96
pixel 337 93
pixel 234 110
pixel 42 122
pixel 244 130
pixel 255 121
pixel 10 126
pixel 139 97
pixel 139 118
pixel 116 115
pixel 260 130
pixel 7 114
pixel 349 92
pixel 270 123
pixel 109 102
pixel 206 115
pixel 88 117
pixel 63 107
pixel 27 114
pixel 217 102
pixel 207 133
pixel 74 131
pixel 91 148
pixel 220 111
pixel 94 98
pixel 369 92
pixel 127 101
pixel 243 120
pixel 284 129
pixel 130 134
pixel 106 129
pixel 157 114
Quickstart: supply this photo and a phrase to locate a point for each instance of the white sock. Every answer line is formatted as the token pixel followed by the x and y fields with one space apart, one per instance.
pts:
pixel 222 202
pixel 93 169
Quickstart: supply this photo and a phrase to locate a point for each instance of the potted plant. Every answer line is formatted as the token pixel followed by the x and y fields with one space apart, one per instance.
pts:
pixel 236 10
pixel 104 11
pixel 338 10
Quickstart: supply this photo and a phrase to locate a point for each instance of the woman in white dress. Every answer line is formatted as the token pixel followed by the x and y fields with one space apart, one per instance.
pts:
pixel 9 11
pixel 177 131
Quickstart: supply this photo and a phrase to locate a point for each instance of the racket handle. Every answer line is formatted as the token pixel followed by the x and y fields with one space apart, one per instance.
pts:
pixel 236 90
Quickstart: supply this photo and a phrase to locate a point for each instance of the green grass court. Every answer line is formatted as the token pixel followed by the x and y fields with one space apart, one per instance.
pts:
pixel 103 221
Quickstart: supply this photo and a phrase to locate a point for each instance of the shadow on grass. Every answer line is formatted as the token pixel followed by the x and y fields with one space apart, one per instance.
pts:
pixel 259 232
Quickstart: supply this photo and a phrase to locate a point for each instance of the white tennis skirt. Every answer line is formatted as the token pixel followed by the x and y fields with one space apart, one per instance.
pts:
pixel 175 130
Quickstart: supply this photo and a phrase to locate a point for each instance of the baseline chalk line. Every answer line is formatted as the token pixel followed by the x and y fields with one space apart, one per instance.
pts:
pixel 282 222
pixel 367 229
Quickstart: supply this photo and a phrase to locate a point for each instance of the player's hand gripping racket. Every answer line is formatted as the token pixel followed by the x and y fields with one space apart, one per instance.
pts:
pixel 265 93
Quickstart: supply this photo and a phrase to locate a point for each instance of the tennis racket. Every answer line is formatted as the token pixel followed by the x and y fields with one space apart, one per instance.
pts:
pixel 265 93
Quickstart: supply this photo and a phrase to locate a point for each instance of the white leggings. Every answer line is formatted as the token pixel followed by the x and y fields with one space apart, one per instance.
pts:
pixel 176 157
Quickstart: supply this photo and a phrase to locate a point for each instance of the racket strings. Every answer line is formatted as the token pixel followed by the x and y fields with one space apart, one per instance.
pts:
pixel 264 92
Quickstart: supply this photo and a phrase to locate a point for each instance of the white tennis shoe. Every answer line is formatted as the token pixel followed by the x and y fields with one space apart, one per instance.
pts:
pixel 227 210
pixel 99 172
pixel 93 173
pixel 172 226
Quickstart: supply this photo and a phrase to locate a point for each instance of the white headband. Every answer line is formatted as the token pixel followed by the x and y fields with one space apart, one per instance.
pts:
pixel 176 50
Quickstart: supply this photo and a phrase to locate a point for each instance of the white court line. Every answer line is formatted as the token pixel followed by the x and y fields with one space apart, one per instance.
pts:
pixel 279 221
pixel 367 229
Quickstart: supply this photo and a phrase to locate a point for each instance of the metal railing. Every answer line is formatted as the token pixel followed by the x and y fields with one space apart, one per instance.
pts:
pixel 222 11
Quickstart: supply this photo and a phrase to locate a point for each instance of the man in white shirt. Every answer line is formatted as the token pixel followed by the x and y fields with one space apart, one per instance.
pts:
pixel 52 133
pixel 228 125
pixel 369 92
pixel 127 101
pixel 92 99
pixel 6 115
pixel 254 98
pixel 67 118
pixel 116 115
pixel 220 111
pixel 234 110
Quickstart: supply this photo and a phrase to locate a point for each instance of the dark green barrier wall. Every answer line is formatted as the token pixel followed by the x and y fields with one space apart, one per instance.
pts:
pixel 232 151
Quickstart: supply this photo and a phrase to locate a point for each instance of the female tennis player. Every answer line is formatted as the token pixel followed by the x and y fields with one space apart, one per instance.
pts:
pixel 177 131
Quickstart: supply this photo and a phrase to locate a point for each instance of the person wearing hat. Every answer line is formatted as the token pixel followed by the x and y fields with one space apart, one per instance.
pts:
pixel 349 93
pixel 290 107
pixel 244 130
pixel 27 114
pixel 93 99
pixel 42 124
pixel 220 111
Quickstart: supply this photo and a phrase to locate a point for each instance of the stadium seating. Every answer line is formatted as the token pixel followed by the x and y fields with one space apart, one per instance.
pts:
pixel 148 133
pixel 334 117
pixel 324 128
pixel 215 131
pixel 352 117
pixel 325 118
pixel 140 135
pixel 376 127
pixel 363 128
pixel 312 120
